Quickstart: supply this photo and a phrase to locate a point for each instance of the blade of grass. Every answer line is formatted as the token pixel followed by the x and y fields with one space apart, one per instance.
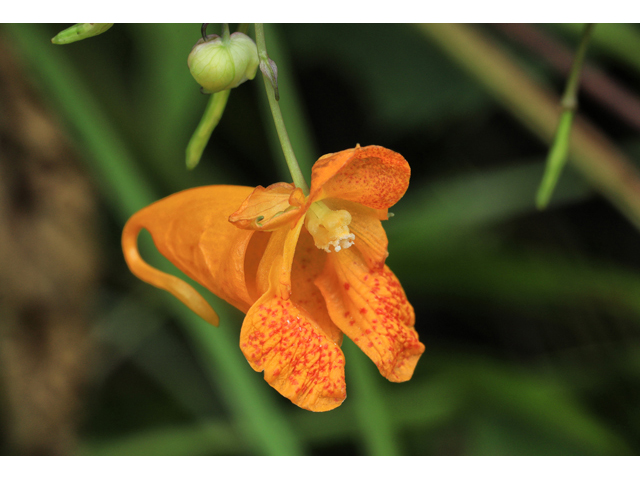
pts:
pixel 376 428
pixel 525 397
pixel 593 154
pixel 263 425
pixel 206 438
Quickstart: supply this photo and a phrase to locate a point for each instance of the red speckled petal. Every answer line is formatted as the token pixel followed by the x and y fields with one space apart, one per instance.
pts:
pixel 373 176
pixel 297 357
pixel 371 308
pixel 192 230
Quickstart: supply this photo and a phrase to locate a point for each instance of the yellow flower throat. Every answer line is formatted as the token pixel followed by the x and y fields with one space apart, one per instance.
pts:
pixel 329 228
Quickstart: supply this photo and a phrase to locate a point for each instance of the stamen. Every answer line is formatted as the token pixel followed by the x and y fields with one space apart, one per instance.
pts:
pixel 329 228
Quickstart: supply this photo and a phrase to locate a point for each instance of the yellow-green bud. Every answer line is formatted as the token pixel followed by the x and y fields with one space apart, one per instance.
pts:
pixel 80 31
pixel 218 64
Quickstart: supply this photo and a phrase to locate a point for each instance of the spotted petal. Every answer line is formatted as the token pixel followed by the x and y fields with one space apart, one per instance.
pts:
pixel 298 359
pixel 373 176
pixel 371 308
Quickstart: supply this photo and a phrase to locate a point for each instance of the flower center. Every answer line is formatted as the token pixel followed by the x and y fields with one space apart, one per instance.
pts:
pixel 329 228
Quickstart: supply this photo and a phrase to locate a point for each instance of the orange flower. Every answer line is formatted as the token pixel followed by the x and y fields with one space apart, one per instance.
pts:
pixel 301 288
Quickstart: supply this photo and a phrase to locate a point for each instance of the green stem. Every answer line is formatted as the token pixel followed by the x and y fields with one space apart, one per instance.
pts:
pixel 210 119
pixel 225 33
pixel 559 151
pixel 569 99
pixel 289 155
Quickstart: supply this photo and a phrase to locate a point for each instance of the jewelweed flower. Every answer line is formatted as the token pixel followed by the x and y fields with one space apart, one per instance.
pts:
pixel 304 269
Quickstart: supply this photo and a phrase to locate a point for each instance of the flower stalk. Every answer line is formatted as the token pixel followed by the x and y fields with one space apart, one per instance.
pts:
pixel 558 153
pixel 269 75
pixel 208 122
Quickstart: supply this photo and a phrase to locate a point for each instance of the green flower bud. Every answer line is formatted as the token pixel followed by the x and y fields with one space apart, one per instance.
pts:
pixel 80 31
pixel 218 64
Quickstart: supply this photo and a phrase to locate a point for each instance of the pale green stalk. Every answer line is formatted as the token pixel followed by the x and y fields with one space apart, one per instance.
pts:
pixel 289 155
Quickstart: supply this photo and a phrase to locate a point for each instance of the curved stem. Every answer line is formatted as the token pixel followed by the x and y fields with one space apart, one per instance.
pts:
pixel 265 64
pixel 210 119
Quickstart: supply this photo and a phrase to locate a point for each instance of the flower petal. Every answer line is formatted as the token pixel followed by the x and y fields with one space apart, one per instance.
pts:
pixel 191 229
pixel 255 253
pixel 371 239
pixel 282 244
pixel 371 308
pixel 372 176
pixel 269 208
pixel 297 357
pixel 308 263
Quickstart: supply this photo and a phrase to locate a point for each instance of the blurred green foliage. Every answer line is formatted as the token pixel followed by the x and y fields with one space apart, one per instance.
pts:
pixel 531 320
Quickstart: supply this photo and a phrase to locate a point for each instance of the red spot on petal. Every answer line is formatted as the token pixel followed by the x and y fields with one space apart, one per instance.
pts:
pixel 347 286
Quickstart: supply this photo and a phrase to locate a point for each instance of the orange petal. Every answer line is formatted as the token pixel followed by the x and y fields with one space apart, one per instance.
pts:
pixel 282 244
pixel 297 357
pixel 371 308
pixel 308 263
pixel 371 239
pixel 269 208
pixel 191 229
pixel 372 176
pixel 255 253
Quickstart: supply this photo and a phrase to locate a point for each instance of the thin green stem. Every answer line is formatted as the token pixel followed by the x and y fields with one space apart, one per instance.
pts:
pixel 210 119
pixel 289 155
pixel 559 151
pixel 556 160
pixel 225 33
pixel 570 97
